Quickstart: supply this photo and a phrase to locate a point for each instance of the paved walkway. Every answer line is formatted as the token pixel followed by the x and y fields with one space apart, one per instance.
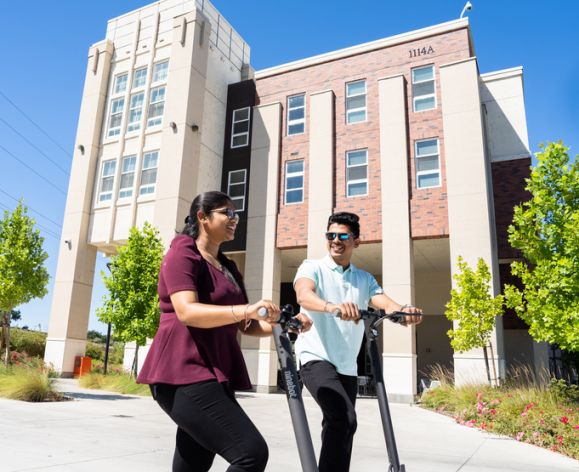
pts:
pixel 100 431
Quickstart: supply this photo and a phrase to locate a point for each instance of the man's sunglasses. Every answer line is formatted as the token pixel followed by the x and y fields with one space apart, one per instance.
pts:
pixel 341 236
pixel 229 212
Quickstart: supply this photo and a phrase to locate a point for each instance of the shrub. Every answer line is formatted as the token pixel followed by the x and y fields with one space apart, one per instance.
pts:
pixel 27 384
pixel 30 342
pixel 121 383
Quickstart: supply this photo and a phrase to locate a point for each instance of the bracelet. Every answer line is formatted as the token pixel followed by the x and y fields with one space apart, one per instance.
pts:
pixel 247 321
pixel 406 305
pixel 237 320
pixel 325 306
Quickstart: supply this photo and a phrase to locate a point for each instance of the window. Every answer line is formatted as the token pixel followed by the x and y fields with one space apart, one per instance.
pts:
pixel 240 128
pixel 160 70
pixel 356 102
pixel 357 173
pixel 149 173
pixel 423 93
pixel 139 77
pixel 127 177
pixel 427 163
pixel 135 111
pixel 296 114
pixel 107 180
pixel 236 188
pixel 156 106
pixel 120 84
pixel 116 116
pixel 294 181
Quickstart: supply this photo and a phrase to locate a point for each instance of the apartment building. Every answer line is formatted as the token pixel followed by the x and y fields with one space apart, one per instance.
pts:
pixel 404 131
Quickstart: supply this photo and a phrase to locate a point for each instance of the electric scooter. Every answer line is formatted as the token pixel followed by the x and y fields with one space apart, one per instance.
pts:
pixel 372 320
pixel 293 391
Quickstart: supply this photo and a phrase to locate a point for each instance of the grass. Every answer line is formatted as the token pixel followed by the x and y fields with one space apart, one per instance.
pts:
pixel 546 416
pixel 30 384
pixel 118 382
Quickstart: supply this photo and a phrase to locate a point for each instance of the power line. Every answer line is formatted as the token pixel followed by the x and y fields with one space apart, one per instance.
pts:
pixel 46 230
pixel 32 209
pixel 34 123
pixel 32 144
pixel 31 169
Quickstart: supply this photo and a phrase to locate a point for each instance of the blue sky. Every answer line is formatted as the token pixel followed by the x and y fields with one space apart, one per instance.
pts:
pixel 44 49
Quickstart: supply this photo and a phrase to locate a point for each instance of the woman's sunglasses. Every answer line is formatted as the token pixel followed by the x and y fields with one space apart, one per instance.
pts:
pixel 340 236
pixel 229 212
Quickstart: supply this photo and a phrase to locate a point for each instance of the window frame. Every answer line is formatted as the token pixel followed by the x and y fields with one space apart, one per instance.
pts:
pixel 158 117
pixel 294 174
pixel 153 73
pixel 143 169
pixel 418 173
pixel 428 95
pixel 299 121
pixel 364 108
pixel 357 181
pixel 102 178
pixel 135 125
pixel 128 190
pixel 244 133
pixel 244 184
pixel 144 79
pixel 115 131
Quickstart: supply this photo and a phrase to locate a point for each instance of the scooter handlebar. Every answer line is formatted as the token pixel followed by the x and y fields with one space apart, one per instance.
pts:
pixel 394 317
pixel 286 317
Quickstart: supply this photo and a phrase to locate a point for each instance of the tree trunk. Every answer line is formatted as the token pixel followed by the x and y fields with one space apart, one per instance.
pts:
pixel 487 365
pixel 493 364
pixel 6 336
pixel 135 362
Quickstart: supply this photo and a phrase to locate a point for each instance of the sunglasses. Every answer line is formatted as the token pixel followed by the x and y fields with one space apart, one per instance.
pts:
pixel 340 236
pixel 229 212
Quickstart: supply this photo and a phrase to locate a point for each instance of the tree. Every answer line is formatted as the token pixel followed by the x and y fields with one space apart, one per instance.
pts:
pixel 22 272
pixel 546 230
pixel 132 305
pixel 473 307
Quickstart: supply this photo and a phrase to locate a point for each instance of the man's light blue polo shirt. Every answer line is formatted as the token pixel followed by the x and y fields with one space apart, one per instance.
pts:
pixel 331 338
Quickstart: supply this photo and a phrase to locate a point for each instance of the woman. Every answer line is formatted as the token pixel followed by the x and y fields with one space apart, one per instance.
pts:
pixel 195 362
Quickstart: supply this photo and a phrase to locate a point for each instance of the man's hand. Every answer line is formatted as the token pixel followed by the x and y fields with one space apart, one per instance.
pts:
pixel 348 310
pixel 410 320
pixel 306 322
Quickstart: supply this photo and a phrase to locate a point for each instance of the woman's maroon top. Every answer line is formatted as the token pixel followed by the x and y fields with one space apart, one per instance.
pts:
pixel 181 354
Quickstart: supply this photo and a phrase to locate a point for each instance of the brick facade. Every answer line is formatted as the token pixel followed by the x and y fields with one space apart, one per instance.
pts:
pixel 428 207
pixel 508 191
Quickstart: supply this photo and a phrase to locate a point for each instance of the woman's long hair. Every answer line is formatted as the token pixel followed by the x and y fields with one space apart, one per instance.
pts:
pixel 205 202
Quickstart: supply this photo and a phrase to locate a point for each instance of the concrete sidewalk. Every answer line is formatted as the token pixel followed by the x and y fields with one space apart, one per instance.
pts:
pixel 100 431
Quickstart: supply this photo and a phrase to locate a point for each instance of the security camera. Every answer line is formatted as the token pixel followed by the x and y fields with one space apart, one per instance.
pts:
pixel 467 7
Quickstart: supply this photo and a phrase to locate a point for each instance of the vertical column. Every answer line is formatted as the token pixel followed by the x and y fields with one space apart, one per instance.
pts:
pixel 73 283
pixel 184 105
pixel 469 185
pixel 320 170
pixel 262 258
pixel 399 343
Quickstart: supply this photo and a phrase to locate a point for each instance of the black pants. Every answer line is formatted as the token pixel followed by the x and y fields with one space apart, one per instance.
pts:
pixel 210 421
pixel 336 395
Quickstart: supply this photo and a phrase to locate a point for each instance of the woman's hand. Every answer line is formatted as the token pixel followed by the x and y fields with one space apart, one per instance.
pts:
pixel 271 308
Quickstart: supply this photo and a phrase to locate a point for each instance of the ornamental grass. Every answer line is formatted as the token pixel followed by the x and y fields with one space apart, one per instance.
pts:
pixel 546 416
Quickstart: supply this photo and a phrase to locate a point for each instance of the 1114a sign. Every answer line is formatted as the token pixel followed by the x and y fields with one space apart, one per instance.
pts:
pixel 421 51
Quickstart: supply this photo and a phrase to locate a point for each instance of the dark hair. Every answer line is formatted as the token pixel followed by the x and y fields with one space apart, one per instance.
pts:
pixel 204 202
pixel 347 219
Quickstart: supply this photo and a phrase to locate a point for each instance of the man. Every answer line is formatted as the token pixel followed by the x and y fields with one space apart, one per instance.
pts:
pixel 328 352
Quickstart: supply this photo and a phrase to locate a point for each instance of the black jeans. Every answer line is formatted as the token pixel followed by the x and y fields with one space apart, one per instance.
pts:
pixel 336 395
pixel 210 421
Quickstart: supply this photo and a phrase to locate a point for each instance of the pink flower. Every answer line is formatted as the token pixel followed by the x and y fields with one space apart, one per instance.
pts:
pixel 524 413
pixel 536 434
pixel 470 423
pixel 479 396
pixel 560 440
pixel 541 421
pixel 576 426
pixel 483 426
pixel 564 420
pixel 519 435
pixel 479 408
pixel 493 411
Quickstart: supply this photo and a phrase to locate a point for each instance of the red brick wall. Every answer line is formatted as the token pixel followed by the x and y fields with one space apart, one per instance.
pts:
pixel 428 207
pixel 508 191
